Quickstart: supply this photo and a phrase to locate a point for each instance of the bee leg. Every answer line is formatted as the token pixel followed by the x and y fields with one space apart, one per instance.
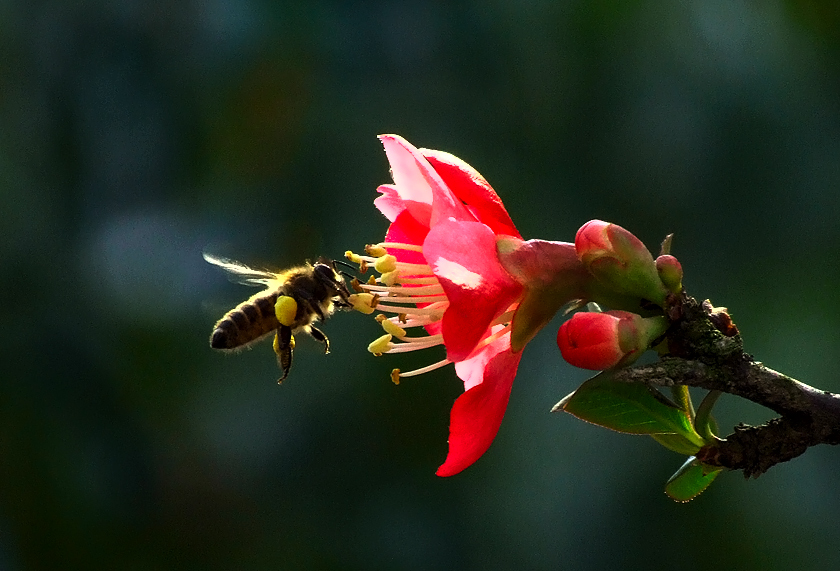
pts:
pixel 319 335
pixel 310 302
pixel 283 345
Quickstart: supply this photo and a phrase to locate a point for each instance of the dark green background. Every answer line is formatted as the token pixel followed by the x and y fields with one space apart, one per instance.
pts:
pixel 134 134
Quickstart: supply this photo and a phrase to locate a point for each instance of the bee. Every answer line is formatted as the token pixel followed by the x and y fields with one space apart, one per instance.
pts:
pixel 315 289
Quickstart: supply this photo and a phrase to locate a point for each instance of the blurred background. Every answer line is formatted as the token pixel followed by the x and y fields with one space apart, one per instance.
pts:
pixel 134 135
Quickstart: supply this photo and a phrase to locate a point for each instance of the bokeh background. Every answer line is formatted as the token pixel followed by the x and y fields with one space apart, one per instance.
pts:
pixel 135 134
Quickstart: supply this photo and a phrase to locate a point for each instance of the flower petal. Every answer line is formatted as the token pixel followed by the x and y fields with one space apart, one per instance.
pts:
pixel 463 257
pixel 477 414
pixel 471 188
pixel 423 191
pixel 406 229
pixel 390 204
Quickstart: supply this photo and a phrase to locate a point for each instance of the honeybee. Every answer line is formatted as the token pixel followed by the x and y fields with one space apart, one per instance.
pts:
pixel 315 289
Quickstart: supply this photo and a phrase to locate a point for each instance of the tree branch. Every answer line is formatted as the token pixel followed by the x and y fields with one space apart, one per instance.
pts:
pixel 705 351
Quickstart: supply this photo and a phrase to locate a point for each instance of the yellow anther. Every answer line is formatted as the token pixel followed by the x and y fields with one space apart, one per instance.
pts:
pixel 395 376
pixel 381 345
pixel 362 302
pixel 286 310
pixel 355 258
pixel 390 278
pixel 386 263
pixel 392 328
pixel 375 250
pixel 371 280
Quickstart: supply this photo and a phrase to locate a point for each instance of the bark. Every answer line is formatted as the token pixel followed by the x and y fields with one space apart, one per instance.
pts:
pixel 705 350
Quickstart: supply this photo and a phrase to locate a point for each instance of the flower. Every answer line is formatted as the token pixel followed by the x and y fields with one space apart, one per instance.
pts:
pixel 440 270
pixel 598 341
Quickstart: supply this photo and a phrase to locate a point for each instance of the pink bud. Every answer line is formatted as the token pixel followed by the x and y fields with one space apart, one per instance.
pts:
pixel 619 260
pixel 599 341
pixel 670 272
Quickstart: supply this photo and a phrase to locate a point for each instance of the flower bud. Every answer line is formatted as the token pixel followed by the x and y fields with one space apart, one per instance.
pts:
pixel 599 341
pixel 619 260
pixel 670 272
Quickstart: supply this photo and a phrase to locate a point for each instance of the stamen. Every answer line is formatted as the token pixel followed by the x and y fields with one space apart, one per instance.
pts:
pixel 418 281
pixel 420 290
pixel 385 264
pixel 504 318
pixel 415 269
pixel 363 302
pixel 391 327
pixel 401 246
pixel 375 250
pixel 425 369
pixel 412 344
pixel 435 309
pixel 390 278
pixel 405 322
pixel 418 299
pixel 489 339
pixel 381 345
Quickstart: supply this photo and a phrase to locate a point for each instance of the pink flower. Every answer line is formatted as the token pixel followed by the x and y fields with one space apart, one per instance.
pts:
pixel 598 341
pixel 440 270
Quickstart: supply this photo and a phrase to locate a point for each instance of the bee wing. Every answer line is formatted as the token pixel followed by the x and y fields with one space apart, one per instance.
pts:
pixel 240 273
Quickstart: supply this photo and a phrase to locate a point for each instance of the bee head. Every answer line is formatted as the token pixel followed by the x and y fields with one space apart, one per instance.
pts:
pixel 326 273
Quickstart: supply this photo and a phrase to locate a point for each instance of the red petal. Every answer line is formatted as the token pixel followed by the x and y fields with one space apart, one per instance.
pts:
pixel 406 230
pixel 464 259
pixel 471 188
pixel 477 414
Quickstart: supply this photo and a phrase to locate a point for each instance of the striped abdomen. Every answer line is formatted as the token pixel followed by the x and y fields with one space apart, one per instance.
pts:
pixel 247 322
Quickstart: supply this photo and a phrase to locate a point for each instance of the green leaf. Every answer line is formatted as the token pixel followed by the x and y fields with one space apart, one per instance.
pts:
pixel 631 408
pixel 677 443
pixel 690 480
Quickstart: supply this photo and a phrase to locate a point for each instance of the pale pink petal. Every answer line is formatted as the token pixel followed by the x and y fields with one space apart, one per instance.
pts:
pixel 463 257
pixel 390 204
pixel 470 187
pixel 424 193
pixel 477 414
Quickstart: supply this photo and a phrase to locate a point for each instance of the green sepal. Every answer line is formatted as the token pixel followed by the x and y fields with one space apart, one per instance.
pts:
pixel 690 480
pixel 631 408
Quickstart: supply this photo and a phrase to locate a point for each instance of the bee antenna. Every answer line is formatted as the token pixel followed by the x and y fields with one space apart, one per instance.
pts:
pixel 345 264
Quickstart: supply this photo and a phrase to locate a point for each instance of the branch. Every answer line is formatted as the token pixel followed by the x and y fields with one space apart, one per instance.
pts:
pixel 705 351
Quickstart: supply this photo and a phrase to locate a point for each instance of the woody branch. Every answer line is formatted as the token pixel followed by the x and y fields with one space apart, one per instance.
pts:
pixel 706 351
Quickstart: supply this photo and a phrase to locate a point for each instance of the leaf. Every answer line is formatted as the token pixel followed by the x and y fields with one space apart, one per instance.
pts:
pixel 690 480
pixel 677 443
pixel 631 408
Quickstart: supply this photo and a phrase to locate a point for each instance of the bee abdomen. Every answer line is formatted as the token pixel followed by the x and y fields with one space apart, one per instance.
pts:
pixel 247 322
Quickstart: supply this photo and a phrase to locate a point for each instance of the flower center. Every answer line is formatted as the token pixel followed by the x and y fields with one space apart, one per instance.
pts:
pixel 415 298
pixel 410 292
